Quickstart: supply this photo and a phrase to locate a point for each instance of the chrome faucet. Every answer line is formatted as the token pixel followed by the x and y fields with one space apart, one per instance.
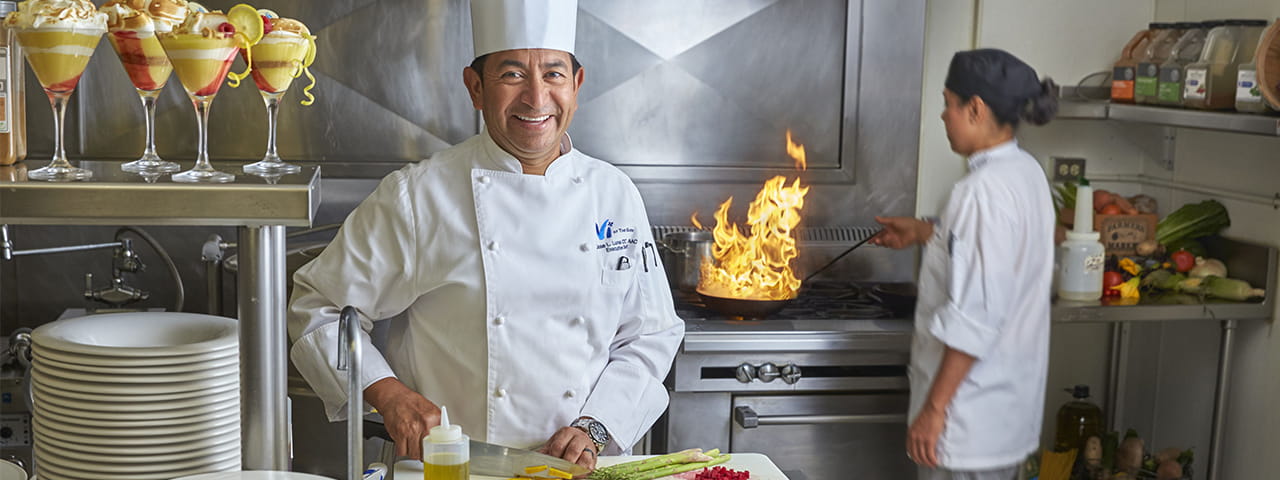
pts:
pixel 349 347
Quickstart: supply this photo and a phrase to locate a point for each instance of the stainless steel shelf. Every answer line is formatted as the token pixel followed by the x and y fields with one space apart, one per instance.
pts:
pixel 1248 123
pixel 1176 117
pixel 115 197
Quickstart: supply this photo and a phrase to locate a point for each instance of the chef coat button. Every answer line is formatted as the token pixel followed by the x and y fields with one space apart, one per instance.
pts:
pixel 501 392
pixel 483 179
pixel 578 320
pixel 584 247
pixel 493 246
pixel 577 179
pixel 570 394
pixel 499 319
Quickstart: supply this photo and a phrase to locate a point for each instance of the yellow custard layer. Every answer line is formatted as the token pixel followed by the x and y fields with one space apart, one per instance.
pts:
pixel 277 60
pixel 58 57
pixel 200 62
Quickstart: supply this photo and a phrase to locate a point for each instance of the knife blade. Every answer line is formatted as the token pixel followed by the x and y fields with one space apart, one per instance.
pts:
pixel 500 461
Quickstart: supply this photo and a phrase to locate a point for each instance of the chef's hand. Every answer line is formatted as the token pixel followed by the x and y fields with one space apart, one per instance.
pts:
pixel 407 414
pixel 922 437
pixel 902 232
pixel 574 445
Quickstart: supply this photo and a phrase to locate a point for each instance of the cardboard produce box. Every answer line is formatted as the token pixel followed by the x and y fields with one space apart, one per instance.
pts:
pixel 1121 234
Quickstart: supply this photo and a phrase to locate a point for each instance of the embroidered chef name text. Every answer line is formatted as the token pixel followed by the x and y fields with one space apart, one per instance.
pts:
pixel 615 245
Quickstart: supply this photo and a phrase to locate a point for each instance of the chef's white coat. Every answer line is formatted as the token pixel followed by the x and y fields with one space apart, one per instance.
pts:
pixel 985 290
pixel 529 300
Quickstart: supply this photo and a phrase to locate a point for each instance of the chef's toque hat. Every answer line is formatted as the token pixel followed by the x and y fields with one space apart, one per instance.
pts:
pixel 498 25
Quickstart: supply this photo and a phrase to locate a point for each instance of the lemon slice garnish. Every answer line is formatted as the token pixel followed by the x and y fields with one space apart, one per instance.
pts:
pixel 247 21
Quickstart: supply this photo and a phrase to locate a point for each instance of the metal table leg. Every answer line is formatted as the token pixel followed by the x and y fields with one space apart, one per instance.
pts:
pixel 263 345
pixel 1220 399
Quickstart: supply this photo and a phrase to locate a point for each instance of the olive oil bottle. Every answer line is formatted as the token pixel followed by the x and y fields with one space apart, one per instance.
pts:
pixel 1078 420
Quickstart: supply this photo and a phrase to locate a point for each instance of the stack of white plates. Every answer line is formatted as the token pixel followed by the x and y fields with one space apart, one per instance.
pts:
pixel 136 396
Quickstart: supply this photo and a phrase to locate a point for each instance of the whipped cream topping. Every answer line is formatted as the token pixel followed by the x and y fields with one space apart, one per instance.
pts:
pixel 205 24
pixel 57 14
pixel 145 16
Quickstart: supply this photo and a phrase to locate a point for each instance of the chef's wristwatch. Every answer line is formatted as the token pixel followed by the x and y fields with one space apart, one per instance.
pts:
pixel 595 430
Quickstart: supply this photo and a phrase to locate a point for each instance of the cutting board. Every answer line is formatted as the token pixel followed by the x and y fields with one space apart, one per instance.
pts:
pixel 760 466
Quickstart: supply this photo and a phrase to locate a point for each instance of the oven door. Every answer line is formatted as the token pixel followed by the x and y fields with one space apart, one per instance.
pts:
pixel 826 436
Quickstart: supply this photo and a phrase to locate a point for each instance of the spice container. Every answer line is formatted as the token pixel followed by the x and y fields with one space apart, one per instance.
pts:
pixel 13 103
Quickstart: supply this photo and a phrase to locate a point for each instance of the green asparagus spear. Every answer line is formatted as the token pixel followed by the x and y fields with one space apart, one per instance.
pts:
pixel 625 470
pixel 678 468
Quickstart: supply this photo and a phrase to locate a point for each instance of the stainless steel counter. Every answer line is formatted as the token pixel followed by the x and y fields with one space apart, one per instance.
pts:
pixel 260 207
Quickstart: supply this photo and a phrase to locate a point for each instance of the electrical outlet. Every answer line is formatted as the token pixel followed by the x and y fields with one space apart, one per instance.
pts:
pixel 1067 169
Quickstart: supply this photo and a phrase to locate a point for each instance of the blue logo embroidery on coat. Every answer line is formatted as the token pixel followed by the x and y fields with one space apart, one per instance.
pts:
pixel 604 229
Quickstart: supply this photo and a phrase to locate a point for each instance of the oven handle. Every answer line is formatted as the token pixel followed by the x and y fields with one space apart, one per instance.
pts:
pixel 746 417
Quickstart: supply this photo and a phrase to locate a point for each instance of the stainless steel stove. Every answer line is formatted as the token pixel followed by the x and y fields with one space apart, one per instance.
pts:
pixel 820 386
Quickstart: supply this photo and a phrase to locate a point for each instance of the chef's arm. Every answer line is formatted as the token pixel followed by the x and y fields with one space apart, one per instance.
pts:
pixel 629 396
pixel 371 265
pixel 951 373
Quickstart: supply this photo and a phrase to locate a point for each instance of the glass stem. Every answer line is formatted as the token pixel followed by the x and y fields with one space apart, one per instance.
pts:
pixel 202 124
pixel 149 105
pixel 272 101
pixel 59 102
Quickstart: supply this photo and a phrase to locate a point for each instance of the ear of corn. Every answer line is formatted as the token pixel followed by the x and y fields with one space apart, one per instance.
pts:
pixel 1057 466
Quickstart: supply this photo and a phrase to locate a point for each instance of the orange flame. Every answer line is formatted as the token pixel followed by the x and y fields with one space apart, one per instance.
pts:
pixel 758 266
pixel 696 224
pixel 797 152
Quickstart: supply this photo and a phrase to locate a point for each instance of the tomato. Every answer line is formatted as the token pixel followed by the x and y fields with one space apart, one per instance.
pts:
pixel 1111 279
pixel 1112 209
pixel 1183 260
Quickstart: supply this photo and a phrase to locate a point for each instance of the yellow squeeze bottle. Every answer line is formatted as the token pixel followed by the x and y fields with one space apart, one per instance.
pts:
pixel 446 452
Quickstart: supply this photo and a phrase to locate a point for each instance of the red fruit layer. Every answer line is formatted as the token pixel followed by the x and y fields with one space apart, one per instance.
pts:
pixel 213 87
pixel 65 87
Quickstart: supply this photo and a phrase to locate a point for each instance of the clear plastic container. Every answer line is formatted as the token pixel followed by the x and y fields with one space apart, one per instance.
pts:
pixel 1248 93
pixel 1173 70
pixel 1146 79
pixel 13 99
pixel 446 452
pixel 1211 81
pixel 1083 259
pixel 1125 69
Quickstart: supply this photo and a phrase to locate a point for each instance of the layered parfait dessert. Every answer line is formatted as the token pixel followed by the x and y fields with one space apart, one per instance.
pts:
pixel 133 26
pixel 286 50
pixel 283 54
pixel 58 38
pixel 201 49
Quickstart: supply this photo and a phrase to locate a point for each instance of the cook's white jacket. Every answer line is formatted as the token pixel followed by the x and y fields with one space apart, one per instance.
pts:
pixel 529 300
pixel 985 290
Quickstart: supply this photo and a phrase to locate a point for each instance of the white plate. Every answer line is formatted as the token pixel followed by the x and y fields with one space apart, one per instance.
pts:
pixel 139 334
pixel 54 468
pixel 67 374
pixel 163 397
pixel 116 361
pixel 257 475
pixel 178 427
pixel 108 408
pixel 134 389
pixel 135 464
pixel 211 442
pixel 9 471
pixel 198 366
pixel 47 409
pixel 103 441
pixel 190 423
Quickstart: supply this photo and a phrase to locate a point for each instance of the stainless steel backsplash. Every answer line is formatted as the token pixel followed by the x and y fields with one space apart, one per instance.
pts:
pixel 692 98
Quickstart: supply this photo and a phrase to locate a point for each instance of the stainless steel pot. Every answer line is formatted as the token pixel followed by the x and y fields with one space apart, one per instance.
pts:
pixel 682 256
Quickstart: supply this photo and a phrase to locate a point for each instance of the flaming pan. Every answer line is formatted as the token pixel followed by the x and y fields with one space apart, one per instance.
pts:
pixel 742 307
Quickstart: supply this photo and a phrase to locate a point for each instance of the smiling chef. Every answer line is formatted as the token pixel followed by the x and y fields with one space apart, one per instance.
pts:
pixel 535 307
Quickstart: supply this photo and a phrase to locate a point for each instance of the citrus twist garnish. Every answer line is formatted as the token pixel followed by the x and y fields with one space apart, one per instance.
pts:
pixel 307 60
pixel 233 78
pixel 307 90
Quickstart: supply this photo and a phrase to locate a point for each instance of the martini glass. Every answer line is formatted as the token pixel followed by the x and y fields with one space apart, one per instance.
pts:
pixel 201 63
pixel 58 57
pixel 277 59
pixel 148 68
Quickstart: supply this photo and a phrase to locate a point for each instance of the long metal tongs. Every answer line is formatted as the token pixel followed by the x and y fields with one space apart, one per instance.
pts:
pixel 838 257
